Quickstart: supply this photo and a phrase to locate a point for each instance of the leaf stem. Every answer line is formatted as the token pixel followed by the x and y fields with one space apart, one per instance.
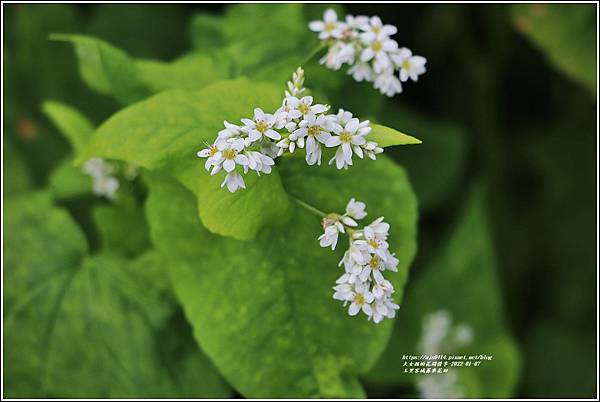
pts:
pixel 308 207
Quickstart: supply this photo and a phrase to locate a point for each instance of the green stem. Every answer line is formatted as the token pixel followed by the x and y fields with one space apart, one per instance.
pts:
pixel 309 207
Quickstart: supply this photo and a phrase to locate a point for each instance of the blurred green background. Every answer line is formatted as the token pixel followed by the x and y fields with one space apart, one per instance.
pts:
pixel 507 115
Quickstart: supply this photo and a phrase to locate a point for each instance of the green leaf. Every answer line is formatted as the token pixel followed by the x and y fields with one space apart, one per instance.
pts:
pixel 387 137
pixel 77 326
pixel 17 179
pixel 67 181
pixel 166 131
pixel 122 226
pixel 467 265
pixel 111 71
pixel 566 33
pixel 71 123
pixel 263 310
pixel 105 68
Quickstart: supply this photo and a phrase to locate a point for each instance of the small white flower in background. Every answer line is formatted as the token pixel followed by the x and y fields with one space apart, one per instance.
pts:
pixel 362 284
pixel 330 27
pixel 410 66
pixel 366 46
pixel 104 184
pixel 299 123
pixel 439 336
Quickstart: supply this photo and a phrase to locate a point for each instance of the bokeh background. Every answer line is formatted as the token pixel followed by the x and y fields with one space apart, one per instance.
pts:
pixel 506 111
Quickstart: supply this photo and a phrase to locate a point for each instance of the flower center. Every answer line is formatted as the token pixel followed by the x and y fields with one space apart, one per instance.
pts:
pixel 373 243
pixel 359 299
pixel 345 137
pixel 303 108
pixel 261 126
pixel 406 64
pixel 374 263
pixel 330 26
pixel 229 154
pixel 376 46
pixel 213 151
pixel 313 130
pixel 376 29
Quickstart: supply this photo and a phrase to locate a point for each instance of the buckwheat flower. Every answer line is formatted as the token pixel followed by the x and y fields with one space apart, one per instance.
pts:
pixel 356 209
pixel 314 129
pixel 304 106
pixel 259 162
pixel 344 289
pixel 383 290
pixel 373 268
pixel 330 237
pixel 354 23
pixel 230 131
pixel 229 154
pixel 261 125
pixel 233 181
pixel 409 65
pixel 362 71
pixel 97 167
pixel 338 54
pixel 330 27
pixel 295 87
pixel 354 258
pixel 346 137
pixel 371 149
pixel 388 84
pixel 378 50
pixel 361 301
pixel 212 155
pixel 374 28
pixel 435 329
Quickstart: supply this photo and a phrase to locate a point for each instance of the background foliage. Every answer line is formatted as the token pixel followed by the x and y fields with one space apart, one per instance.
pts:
pixel 504 179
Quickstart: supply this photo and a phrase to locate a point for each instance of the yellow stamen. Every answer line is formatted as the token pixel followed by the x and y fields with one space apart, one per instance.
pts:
pixel 229 154
pixel 345 137
pixel 406 64
pixel 261 126
pixel 330 26
pixel 313 130
pixel 359 299
pixel 213 151
pixel 304 108
pixel 376 46
pixel 373 243
pixel 374 263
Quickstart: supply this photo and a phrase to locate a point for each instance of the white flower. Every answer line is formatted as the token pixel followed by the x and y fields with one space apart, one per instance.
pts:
pixel 259 162
pixel 228 155
pixel 362 71
pixel 212 155
pixel 378 49
pixel 356 209
pixel 409 65
pixel 371 149
pixel 383 290
pixel 230 131
pixel 330 237
pixel 103 183
pixel 347 137
pixel 314 129
pixel 261 125
pixel 330 27
pixel 233 181
pixel 361 301
pixel 338 54
pixel 355 22
pixel 295 87
pixel 374 27
pixel 373 267
pixel 105 186
pixel 388 84
pixel 304 106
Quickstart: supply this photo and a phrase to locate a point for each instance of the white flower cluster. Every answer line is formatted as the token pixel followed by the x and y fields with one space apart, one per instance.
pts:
pixel 298 123
pixel 364 44
pixel 440 336
pixel 104 183
pixel 362 285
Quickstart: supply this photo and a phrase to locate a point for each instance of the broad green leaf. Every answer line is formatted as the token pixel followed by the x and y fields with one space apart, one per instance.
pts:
pixel 387 137
pixel 462 281
pixel 78 326
pixel 111 71
pixel 194 71
pixel 567 35
pixel 166 131
pixel 71 123
pixel 122 226
pixel 67 181
pixel 263 310
pixel 105 68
